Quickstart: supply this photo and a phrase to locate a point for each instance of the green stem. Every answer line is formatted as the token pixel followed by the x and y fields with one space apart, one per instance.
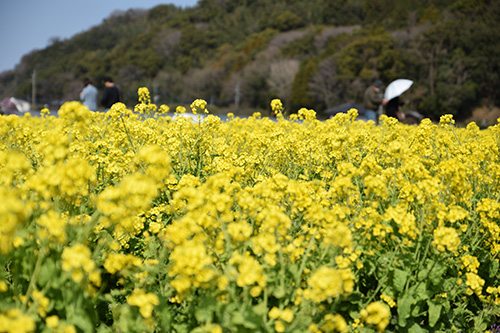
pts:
pixel 34 277
pixel 128 134
pixel 34 154
pixel 304 260
pixel 380 142
pixel 456 137
pixel 374 294
pixel 282 270
pixel 105 128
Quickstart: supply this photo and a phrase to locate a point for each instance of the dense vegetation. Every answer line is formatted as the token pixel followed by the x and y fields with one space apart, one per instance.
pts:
pixel 138 222
pixel 313 53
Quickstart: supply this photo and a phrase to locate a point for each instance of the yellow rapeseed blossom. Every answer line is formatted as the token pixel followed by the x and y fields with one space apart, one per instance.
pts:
pixel 42 302
pixel 306 114
pixel 14 321
pixel 474 284
pixel 328 283
pixel 470 263
pixel 54 226
pixel 274 313
pixel 76 260
pixel 249 270
pixel 334 323
pixel 279 326
pixel 293 212
pixel 286 314
pixel 388 299
pixel 164 109
pixel 44 112
pixel 191 266
pixel 240 231
pixel 199 106
pixel 52 321
pixel 277 107
pixel 446 239
pixel 117 262
pixel 145 301
pixel 12 214
pixel 376 314
pixel 145 106
pixel 446 119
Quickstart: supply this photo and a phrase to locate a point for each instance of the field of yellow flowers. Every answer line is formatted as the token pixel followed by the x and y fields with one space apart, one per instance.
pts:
pixel 139 222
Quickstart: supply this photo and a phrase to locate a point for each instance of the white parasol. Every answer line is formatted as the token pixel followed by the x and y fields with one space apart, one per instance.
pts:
pixel 396 88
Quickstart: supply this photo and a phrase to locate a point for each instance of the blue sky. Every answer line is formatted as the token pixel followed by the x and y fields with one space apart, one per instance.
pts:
pixel 26 25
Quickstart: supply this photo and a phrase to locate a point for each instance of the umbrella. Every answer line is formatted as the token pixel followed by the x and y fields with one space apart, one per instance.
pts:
pixel 396 88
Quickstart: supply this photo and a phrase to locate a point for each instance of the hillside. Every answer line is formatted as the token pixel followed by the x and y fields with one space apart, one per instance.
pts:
pixel 313 54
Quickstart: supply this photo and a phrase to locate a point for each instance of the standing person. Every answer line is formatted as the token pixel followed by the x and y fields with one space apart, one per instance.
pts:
pixel 88 95
pixel 392 108
pixel 111 93
pixel 372 99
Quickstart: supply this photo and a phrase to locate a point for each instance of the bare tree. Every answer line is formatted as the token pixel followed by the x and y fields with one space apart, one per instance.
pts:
pixel 324 86
pixel 169 85
pixel 204 83
pixel 282 74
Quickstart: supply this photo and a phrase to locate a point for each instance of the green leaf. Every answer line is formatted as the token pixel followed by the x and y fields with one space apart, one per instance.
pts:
pixel 240 320
pixel 48 274
pixel 260 309
pixel 415 311
pixel 420 292
pixel 437 273
pixel 294 271
pixel 494 268
pixel 82 321
pixel 400 278
pixel 422 274
pixel 237 318
pixel 181 328
pixel 480 327
pixel 203 315
pixel 279 292
pixel 404 309
pixel 415 328
pixel 434 312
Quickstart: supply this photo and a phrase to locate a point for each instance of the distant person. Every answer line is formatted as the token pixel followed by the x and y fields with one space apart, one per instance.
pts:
pixel 372 99
pixel 88 95
pixel 392 108
pixel 111 93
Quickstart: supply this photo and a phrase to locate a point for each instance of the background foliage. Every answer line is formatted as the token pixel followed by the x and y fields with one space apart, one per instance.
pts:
pixel 449 48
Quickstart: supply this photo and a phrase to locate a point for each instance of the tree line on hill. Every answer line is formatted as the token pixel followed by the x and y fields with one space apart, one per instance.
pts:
pixel 309 53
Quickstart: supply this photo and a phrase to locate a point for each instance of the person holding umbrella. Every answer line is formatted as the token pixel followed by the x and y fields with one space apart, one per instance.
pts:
pixel 392 93
pixel 372 99
pixel 392 108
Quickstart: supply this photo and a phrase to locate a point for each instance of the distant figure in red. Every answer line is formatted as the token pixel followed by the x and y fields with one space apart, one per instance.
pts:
pixel 111 93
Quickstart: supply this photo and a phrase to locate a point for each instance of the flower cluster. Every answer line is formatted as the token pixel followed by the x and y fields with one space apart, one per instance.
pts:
pixel 120 221
pixel 199 106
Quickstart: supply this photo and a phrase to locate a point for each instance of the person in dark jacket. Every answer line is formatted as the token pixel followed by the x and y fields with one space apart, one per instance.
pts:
pixel 392 108
pixel 372 99
pixel 111 93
